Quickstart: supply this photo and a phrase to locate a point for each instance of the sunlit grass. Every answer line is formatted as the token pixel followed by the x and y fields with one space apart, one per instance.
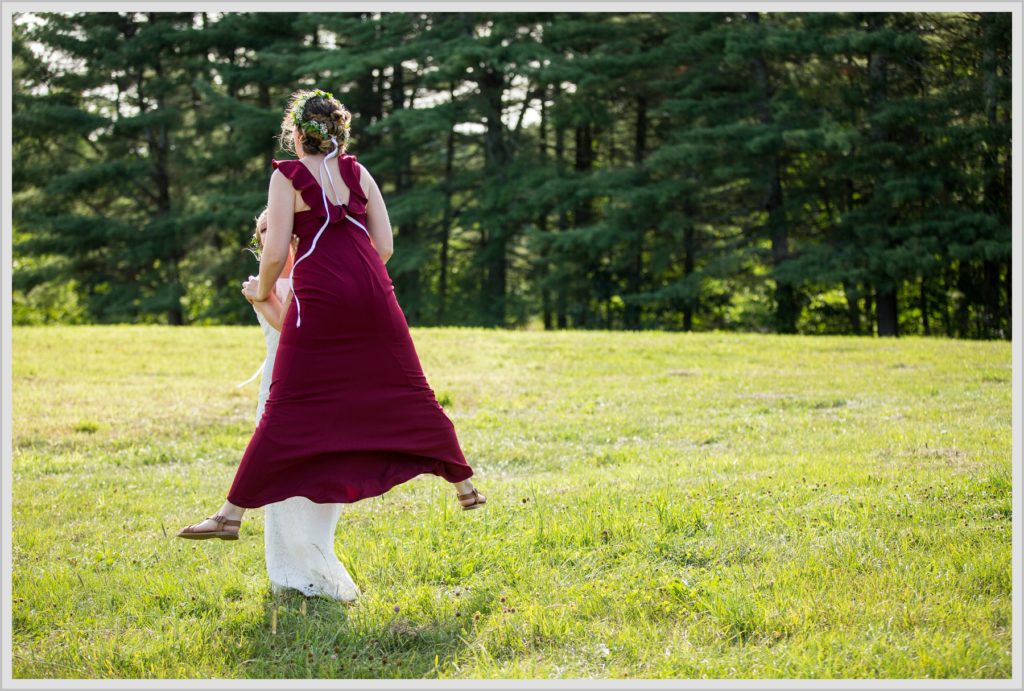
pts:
pixel 659 505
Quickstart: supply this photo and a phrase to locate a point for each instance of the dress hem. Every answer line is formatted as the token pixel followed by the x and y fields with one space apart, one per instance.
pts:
pixel 363 492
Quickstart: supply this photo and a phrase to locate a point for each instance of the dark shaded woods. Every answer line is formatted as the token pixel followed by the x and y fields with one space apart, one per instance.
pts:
pixel 842 173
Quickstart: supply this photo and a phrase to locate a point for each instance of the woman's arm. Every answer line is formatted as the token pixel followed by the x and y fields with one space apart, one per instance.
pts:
pixel 378 223
pixel 280 216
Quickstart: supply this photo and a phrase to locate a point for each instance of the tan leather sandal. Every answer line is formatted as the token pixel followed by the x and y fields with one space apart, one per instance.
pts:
pixel 190 533
pixel 478 500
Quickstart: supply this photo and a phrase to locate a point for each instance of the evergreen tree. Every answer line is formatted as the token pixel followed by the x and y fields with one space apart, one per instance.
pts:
pixel 789 172
pixel 113 160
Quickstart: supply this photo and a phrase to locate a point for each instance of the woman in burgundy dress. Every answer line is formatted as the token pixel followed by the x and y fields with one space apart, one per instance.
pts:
pixel 350 413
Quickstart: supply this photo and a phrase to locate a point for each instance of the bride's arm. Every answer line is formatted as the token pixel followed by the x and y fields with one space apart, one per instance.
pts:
pixel 280 309
pixel 272 309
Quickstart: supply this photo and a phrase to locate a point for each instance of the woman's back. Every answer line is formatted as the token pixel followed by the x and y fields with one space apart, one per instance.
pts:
pixel 339 278
pixel 350 413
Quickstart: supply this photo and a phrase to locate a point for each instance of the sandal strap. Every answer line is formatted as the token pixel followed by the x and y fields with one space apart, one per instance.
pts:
pixel 473 493
pixel 224 520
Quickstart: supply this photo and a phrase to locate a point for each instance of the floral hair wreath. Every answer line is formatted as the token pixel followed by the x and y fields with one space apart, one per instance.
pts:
pixel 254 245
pixel 314 127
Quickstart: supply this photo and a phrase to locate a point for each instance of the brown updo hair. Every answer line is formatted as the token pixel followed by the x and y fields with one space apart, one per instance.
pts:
pixel 327 111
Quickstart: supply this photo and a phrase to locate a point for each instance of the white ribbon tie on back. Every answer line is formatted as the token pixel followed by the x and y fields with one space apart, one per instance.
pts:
pixel 327 211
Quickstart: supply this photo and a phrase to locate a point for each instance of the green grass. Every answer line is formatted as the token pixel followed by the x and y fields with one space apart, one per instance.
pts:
pixel 659 505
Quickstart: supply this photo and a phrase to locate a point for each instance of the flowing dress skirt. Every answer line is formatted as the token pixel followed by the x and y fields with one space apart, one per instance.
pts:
pixel 349 413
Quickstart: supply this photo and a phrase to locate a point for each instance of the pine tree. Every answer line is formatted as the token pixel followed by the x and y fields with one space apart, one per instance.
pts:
pixel 789 172
pixel 113 160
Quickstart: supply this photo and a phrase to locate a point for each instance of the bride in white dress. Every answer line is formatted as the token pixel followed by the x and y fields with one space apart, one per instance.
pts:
pixel 299 533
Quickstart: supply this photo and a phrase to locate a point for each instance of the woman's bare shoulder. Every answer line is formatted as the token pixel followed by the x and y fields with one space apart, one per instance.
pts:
pixel 279 180
pixel 366 180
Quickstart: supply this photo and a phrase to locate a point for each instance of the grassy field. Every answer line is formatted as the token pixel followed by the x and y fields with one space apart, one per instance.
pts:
pixel 659 505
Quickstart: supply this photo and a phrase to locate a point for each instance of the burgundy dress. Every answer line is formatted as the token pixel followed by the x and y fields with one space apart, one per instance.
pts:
pixel 350 413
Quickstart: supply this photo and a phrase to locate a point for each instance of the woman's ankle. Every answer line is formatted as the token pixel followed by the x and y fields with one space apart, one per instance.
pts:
pixel 231 511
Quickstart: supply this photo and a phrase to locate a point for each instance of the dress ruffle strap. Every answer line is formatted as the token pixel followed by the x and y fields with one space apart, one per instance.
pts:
pixel 303 181
pixel 351 174
pixel 307 185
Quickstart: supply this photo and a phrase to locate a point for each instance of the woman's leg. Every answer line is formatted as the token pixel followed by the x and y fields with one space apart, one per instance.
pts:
pixel 228 510
pixel 231 511
pixel 466 487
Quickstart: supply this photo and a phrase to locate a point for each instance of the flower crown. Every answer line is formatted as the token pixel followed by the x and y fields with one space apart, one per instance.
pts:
pixel 314 127
pixel 254 245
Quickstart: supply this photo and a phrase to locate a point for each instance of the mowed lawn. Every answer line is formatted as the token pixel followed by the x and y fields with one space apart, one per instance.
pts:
pixel 660 505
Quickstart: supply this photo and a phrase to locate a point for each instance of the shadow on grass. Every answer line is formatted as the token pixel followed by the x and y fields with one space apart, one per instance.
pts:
pixel 302 637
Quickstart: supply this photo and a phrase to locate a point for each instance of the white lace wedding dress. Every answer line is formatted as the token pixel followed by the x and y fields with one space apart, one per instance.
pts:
pixel 299 533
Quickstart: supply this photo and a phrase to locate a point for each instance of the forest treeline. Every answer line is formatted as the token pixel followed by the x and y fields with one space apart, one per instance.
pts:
pixel 840 172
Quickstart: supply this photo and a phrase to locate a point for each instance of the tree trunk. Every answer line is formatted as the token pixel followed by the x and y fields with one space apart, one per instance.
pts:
pixel 369 93
pixel 785 296
pixel 924 306
pixel 497 157
pixel 1008 214
pixel 869 309
pixel 852 307
pixel 888 324
pixel 886 310
pixel 562 296
pixel 632 314
pixel 583 211
pixel 542 216
pixel 991 307
pixel 159 145
pixel 264 101
pixel 446 220
pixel 850 288
pixel 947 317
pixel 689 261
pixel 408 288
pixel 964 279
